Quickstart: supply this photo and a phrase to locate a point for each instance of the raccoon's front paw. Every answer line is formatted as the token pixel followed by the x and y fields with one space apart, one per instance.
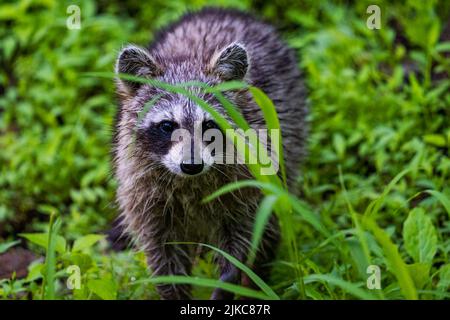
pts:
pixel 220 294
pixel 232 276
pixel 174 292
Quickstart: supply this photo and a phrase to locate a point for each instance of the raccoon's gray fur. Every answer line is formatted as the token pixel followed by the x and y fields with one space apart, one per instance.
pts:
pixel 159 204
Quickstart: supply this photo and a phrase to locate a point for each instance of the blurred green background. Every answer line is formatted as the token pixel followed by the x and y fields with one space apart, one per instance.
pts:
pixel 380 103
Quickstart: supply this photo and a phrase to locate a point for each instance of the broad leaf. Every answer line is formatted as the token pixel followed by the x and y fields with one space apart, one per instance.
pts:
pixel 420 236
pixel 86 242
pixel 41 239
pixel 420 273
pixel 105 288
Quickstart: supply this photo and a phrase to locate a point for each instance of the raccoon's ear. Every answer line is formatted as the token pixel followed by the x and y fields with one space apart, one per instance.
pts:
pixel 231 63
pixel 136 61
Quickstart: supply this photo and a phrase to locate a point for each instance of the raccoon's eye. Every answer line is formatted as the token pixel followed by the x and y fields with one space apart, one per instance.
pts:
pixel 167 126
pixel 210 124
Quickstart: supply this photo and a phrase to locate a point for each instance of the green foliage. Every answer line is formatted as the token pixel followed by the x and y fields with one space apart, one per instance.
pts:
pixel 267 292
pixel 374 187
pixel 86 242
pixel 420 236
pixel 6 246
pixel 105 288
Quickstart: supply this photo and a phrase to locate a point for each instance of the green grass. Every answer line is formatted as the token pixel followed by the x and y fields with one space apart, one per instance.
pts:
pixel 374 187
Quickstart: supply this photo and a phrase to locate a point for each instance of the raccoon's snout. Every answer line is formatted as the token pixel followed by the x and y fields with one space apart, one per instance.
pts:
pixel 191 168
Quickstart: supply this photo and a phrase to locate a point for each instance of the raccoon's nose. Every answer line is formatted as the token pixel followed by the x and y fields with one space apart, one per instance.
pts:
pixel 191 168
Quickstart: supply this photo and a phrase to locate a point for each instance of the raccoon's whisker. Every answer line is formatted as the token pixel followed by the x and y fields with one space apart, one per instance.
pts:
pixel 149 169
pixel 163 177
pixel 165 208
pixel 222 172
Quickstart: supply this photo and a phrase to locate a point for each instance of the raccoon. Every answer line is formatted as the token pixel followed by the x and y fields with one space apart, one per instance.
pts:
pixel 160 191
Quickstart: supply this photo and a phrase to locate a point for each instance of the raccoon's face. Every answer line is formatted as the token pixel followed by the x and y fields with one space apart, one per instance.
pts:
pixel 174 132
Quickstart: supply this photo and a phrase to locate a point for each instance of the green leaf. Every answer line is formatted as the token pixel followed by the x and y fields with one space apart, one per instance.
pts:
pixel 228 85
pixel 437 140
pixel 357 253
pixel 445 201
pixel 35 271
pixel 374 206
pixel 393 258
pixel 308 215
pixel 82 260
pixel 148 105
pixel 444 278
pixel 241 184
pixel 41 239
pixel 420 236
pixel 105 288
pixel 348 287
pixel 420 273
pixel 272 122
pixel 256 279
pixel 261 219
pixel 48 284
pixel 443 46
pixel 6 246
pixel 211 283
pixel 339 145
pixel 86 242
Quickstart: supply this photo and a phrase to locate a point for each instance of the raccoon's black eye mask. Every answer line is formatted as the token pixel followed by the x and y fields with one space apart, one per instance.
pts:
pixel 167 126
pixel 157 137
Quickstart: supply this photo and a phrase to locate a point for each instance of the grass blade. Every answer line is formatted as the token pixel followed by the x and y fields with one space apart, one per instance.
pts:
pixel 6 246
pixel 344 285
pixel 256 279
pixel 396 263
pixel 211 283
pixel 442 198
pixel 374 206
pixel 50 259
pixel 272 123
pixel 308 215
pixel 268 187
pixel 261 219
